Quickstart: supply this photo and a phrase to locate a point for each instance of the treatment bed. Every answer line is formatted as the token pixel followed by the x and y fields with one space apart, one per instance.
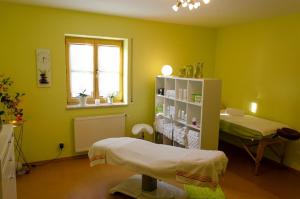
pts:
pixel 156 161
pixel 253 131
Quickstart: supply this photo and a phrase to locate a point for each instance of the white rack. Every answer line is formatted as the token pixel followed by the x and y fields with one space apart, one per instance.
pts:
pixel 179 109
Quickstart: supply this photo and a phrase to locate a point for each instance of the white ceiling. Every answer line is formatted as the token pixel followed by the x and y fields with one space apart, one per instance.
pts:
pixel 217 13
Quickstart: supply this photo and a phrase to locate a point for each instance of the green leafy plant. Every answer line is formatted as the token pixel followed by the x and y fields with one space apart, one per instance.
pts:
pixel 9 102
pixel 82 94
pixel 113 94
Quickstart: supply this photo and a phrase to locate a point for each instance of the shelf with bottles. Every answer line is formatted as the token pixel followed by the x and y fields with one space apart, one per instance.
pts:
pixel 194 116
pixel 170 91
pixel 181 90
pixel 160 86
pixel 169 108
pixel 181 112
pixel 197 111
pixel 195 92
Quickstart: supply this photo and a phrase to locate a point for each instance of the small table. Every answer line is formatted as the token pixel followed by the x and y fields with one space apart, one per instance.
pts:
pixel 20 157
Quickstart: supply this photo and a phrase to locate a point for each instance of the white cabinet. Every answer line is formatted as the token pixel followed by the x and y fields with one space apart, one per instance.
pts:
pixel 187 110
pixel 7 164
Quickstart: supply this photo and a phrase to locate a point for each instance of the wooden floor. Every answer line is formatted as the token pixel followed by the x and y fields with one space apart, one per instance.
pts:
pixel 74 179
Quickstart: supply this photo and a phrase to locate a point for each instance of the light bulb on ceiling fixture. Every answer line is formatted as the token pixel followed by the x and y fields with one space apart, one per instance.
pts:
pixel 206 1
pixel 175 8
pixel 197 5
pixel 191 4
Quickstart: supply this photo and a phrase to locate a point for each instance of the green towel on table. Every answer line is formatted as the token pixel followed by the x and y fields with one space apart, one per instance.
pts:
pixel 195 192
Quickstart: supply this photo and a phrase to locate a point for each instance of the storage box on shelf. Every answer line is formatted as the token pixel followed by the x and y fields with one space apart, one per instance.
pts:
pixel 187 111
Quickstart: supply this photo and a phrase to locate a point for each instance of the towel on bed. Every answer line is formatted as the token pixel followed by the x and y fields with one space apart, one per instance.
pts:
pixel 201 169
pixel 234 112
pixel 161 161
pixel 263 126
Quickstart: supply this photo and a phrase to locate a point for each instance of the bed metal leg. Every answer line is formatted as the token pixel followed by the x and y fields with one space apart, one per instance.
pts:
pixel 135 187
pixel 148 183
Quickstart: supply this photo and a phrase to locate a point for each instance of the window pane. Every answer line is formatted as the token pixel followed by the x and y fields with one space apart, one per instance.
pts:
pixel 81 57
pixel 108 83
pixel 109 58
pixel 81 81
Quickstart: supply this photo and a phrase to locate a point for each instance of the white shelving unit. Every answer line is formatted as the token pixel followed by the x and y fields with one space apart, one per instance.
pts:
pixel 177 106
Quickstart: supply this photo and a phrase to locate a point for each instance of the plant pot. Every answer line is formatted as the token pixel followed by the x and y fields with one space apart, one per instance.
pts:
pixel 82 101
pixel 110 100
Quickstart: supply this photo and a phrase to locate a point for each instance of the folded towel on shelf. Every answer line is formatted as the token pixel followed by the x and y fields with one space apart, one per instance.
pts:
pixel 168 129
pixel 170 93
pixel 193 140
pixel 180 135
pixel 159 127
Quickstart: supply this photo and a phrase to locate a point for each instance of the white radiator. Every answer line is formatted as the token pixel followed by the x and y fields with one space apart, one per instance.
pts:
pixel 88 130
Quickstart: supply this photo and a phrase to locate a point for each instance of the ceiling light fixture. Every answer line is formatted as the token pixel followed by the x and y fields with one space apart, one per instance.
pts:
pixel 191 4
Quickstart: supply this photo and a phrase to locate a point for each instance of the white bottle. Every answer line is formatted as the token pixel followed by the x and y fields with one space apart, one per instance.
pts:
pixel 184 94
pixel 182 115
pixel 180 94
pixel 179 114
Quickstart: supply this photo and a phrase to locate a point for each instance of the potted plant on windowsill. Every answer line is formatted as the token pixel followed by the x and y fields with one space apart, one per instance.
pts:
pixel 110 97
pixel 82 98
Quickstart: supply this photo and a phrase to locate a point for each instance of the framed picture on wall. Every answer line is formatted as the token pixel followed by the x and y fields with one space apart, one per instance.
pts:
pixel 43 62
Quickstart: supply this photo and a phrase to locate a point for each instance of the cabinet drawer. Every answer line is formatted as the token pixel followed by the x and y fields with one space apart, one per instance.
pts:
pixel 9 181
pixel 8 151
pixel 10 155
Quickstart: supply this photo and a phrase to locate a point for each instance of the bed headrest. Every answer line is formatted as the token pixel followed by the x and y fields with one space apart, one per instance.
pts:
pixel 142 128
pixel 288 133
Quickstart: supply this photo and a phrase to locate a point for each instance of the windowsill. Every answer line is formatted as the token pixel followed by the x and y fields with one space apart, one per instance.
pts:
pixel 88 106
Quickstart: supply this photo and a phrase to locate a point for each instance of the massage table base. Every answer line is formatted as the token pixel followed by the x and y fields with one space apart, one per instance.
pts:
pixel 261 145
pixel 135 185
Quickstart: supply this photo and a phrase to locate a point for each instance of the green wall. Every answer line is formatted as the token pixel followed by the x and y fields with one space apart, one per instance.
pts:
pixel 259 62
pixel 256 61
pixel 25 28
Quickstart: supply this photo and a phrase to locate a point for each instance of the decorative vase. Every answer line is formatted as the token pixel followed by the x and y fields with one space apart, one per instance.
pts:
pixel 198 73
pixel 189 71
pixel 182 72
pixel 82 101
pixel 110 100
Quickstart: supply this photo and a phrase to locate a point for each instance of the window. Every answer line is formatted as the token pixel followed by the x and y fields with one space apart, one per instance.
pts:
pixel 96 66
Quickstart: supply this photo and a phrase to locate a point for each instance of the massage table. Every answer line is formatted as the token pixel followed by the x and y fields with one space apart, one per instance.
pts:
pixel 158 162
pixel 253 131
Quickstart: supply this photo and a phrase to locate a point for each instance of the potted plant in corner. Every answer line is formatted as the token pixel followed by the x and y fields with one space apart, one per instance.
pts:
pixel 9 102
pixel 82 98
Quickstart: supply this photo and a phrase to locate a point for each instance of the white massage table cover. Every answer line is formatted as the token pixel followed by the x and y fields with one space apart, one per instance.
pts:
pixel 187 166
pixel 264 126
